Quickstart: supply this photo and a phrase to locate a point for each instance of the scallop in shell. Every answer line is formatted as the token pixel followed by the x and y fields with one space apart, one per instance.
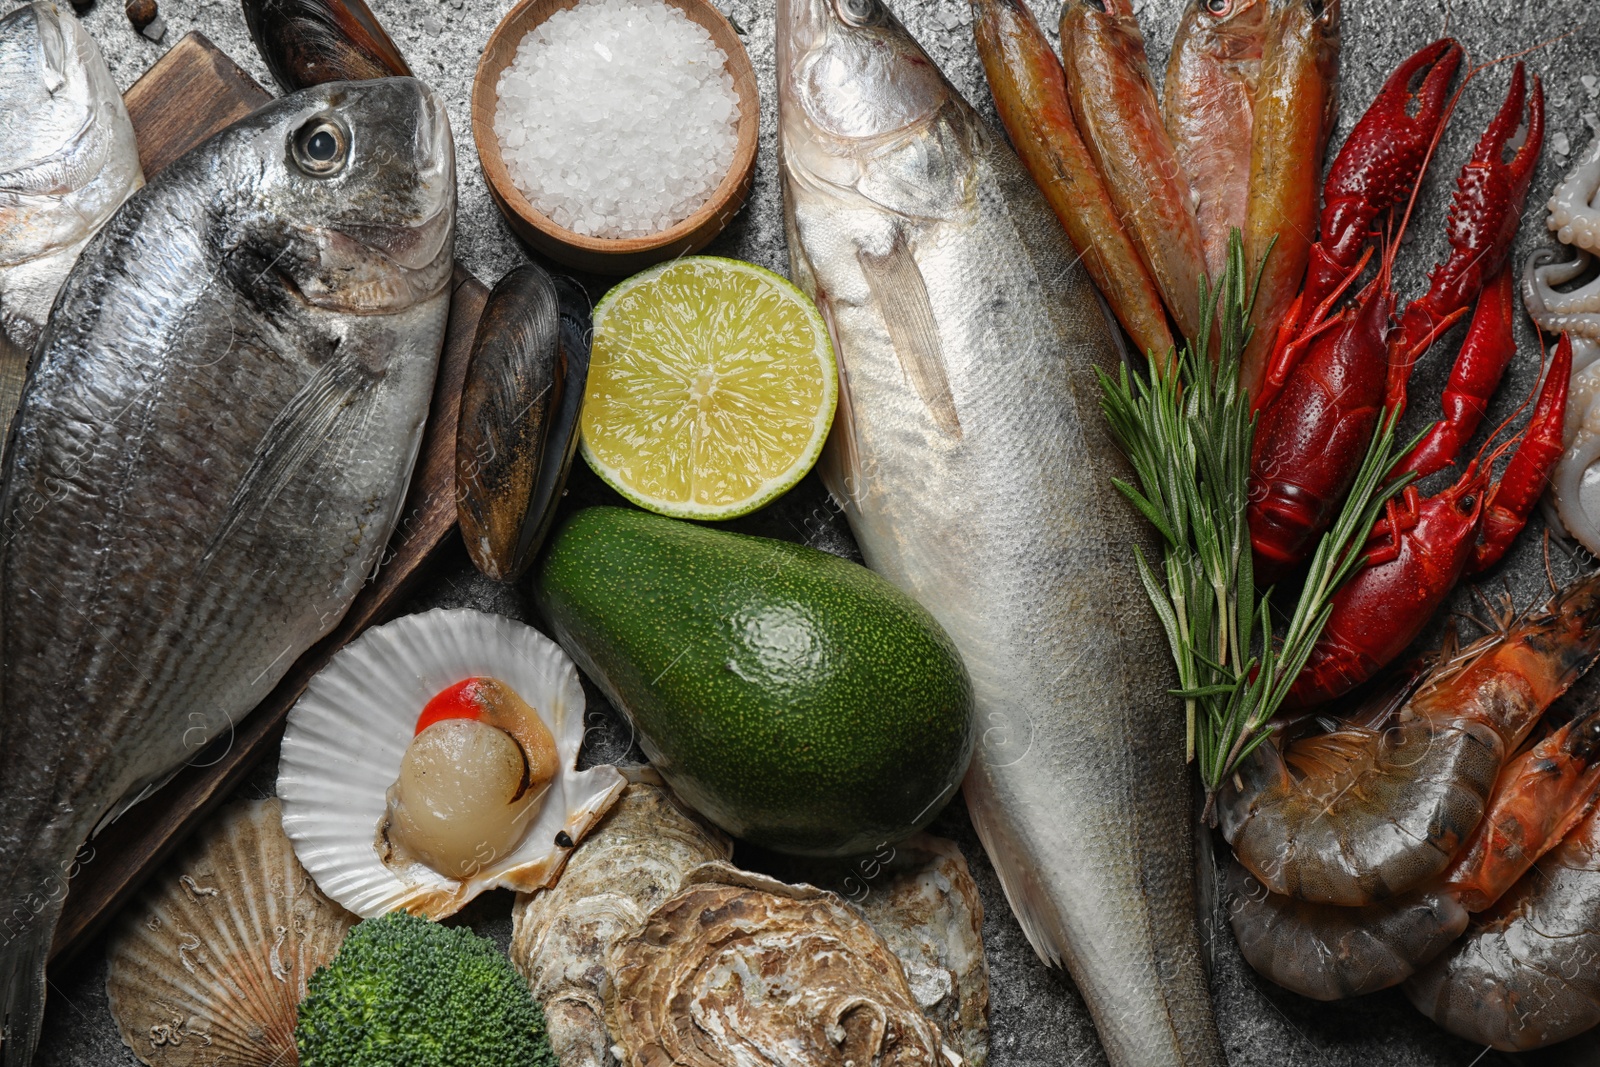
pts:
pixel 210 965
pixel 350 732
pixel 560 937
pixel 741 968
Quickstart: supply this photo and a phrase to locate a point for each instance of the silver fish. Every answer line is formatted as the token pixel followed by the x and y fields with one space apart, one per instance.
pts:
pixel 67 161
pixel 972 461
pixel 208 461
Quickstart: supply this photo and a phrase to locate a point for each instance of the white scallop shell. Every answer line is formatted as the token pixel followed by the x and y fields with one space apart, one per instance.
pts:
pixel 211 963
pixel 348 732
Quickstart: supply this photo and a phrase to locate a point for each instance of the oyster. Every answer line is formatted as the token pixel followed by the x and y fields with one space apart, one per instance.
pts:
pixel 346 745
pixel 560 937
pixel 739 968
pixel 920 896
pixel 210 965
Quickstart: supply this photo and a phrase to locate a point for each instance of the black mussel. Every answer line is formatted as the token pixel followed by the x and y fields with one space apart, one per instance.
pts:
pixel 309 42
pixel 520 406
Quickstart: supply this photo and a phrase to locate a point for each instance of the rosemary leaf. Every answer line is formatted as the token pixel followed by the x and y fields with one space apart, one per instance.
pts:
pixel 1187 431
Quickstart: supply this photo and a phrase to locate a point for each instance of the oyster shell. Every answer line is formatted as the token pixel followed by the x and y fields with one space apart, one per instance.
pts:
pixel 349 732
pixel 739 968
pixel 920 896
pixel 560 937
pixel 211 963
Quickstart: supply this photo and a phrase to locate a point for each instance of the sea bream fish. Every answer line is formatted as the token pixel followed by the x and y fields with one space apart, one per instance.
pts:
pixel 67 161
pixel 209 458
pixel 974 466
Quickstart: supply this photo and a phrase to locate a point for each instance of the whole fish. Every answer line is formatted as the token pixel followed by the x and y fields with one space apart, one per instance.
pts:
pixel 974 466
pixel 1208 102
pixel 67 161
pixel 1297 102
pixel 1030 95
pixel 1114 101
pixel 208 461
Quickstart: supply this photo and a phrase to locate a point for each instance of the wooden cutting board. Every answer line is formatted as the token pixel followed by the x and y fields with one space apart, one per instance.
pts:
pixel 191 93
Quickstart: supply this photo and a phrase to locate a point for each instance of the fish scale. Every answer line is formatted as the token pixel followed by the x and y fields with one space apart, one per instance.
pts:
pixel 935 259
pixel 210 455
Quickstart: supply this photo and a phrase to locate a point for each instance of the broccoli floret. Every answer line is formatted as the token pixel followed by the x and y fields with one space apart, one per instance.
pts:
pixel 406 992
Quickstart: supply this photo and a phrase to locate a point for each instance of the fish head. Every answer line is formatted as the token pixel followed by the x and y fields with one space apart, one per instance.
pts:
pixel 355 193
pixel 852 71
pixel 56 132
pixel 862 107
pixel 1232 30
pixel 1109 28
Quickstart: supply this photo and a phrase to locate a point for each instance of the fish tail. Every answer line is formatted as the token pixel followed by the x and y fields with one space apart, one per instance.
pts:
pixel 24 951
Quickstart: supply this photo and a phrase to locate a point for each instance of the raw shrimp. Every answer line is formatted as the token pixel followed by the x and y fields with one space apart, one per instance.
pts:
pixel 1528 972
pixel 1329 952
pixel 1367 811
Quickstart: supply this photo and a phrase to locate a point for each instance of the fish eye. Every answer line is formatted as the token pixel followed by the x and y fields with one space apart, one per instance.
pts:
pixel 321 147
pixel 858 12
pixel 1219 7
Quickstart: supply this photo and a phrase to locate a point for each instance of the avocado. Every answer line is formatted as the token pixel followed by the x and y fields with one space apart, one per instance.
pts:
pixel 794 698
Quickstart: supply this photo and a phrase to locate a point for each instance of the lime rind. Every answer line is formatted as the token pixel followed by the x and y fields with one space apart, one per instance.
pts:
pixel 630 300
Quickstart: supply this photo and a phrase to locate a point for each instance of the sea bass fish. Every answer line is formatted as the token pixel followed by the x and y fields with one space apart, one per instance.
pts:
pixel 67 161
pixel 972 461
pixel 208 460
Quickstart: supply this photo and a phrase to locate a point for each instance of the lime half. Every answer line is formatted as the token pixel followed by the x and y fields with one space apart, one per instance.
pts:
pixel 711 388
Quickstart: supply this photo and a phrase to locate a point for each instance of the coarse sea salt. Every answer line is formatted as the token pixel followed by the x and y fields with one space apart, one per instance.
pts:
pixel 617 118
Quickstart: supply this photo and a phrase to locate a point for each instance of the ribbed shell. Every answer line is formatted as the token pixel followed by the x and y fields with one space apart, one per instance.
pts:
pixel 738 968
pixel 347 735
pixel 209 966
pixel 560 937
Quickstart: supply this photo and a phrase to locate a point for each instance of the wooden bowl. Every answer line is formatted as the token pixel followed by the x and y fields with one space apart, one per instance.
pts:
pixel 602 255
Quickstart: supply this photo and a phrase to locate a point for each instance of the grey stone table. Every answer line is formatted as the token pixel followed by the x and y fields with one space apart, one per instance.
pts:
pixel 1038 1018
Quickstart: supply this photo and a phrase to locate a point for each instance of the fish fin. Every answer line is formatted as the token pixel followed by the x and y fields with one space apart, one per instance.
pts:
pixel 1029 902
pixel 136 795
pixel 304 427
pixel 901 294
pixel 23 956
pixel 841 467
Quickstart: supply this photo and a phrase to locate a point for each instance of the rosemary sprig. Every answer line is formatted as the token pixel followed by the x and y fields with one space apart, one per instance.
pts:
pixel 1188 435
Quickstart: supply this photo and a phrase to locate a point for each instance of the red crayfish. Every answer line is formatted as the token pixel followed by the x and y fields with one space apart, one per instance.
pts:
pixel 1334 372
